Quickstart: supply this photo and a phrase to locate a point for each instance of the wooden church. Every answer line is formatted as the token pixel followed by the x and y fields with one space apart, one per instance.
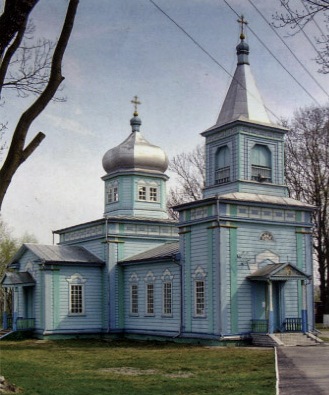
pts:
pixel 238 262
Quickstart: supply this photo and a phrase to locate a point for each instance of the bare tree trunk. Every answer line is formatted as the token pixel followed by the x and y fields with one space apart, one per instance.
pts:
pixel 307 175
pixel 18 152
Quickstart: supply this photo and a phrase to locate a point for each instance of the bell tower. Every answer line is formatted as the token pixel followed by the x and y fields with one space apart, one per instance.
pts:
pixel 244 149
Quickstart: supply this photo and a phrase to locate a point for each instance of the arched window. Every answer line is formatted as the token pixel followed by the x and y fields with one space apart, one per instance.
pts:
pixel 223 165
pixel 261 163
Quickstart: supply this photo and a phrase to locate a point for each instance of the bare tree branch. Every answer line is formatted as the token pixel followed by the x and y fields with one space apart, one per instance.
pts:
pixel 9 54
pixel 297 15
pixel 17 152
pixel 189 169
pixel 15 15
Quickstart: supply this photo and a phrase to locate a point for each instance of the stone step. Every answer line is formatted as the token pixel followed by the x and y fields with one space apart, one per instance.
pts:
pixel 296 339
pixel 284 339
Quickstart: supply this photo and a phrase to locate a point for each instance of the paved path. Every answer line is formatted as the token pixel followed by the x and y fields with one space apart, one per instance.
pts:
pixel 303 370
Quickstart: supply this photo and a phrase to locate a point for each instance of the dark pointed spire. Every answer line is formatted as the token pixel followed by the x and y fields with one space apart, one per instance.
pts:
pixel 243 100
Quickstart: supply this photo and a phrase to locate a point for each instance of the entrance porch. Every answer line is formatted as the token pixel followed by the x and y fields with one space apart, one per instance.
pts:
pixel 270 302
pixel 18 314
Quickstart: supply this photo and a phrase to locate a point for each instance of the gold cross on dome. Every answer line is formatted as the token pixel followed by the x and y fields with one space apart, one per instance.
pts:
pixel 243 22
pixel 135 102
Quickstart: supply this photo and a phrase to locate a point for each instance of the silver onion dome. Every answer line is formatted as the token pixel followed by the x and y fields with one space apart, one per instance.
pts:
pixel 135 153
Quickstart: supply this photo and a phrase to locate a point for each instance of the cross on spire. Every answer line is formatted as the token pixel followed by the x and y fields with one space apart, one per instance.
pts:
pixel 135 102
pixel 243 22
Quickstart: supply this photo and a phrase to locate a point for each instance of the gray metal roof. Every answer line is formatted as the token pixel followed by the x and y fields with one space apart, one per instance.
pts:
pixel 135 153
pixel 278 271
pixel 59 254
pixel 254 198
pixel 17 278
pixel 249 198
pixel 243 101
pixel 164 251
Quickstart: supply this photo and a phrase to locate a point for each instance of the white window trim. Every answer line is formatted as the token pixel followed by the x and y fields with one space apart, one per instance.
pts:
pixel 134 313
pixel 149 280
pixel 112 193
pixel 164 313
pixel 77 280
pixel 82 312
pixel 148 186
pixel 134 281
pixel 147 312
pixel 196 308
pixel 142 193
pixel 199 275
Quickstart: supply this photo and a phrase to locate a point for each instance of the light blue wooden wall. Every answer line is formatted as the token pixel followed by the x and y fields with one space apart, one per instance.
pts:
pixel 227 254
pixel 129 204
pixel 57 293
pixel 157 323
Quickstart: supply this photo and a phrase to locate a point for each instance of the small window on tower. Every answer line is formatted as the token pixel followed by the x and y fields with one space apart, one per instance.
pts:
pixel 112 195
pixel 153 194
pixel 223 165
pixel 142 193
pixel 261 166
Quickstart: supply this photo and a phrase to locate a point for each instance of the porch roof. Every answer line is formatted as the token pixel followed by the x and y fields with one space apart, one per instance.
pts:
pixel 278 272
pixel 17 278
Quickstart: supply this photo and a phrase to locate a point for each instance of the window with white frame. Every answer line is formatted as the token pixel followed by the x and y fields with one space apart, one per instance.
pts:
pixel 167 298
pixel 261 163
pixel 76 294
pixel 76 299
pixel 148 191
pixel 149 296
pixel 153 194
pixel 112 193
pixel 141 193
pixel 134 306
pixel 150 299
pixel 167 293
pixel 199 277
pixel 134 299
pixel 223 165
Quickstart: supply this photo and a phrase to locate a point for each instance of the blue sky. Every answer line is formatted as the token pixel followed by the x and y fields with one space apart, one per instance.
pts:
pixel 122 48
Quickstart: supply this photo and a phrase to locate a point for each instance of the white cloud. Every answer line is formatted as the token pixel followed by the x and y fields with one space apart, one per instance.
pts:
pixel 69 124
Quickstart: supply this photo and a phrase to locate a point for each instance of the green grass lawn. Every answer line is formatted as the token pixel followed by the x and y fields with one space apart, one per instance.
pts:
pixel 88 367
